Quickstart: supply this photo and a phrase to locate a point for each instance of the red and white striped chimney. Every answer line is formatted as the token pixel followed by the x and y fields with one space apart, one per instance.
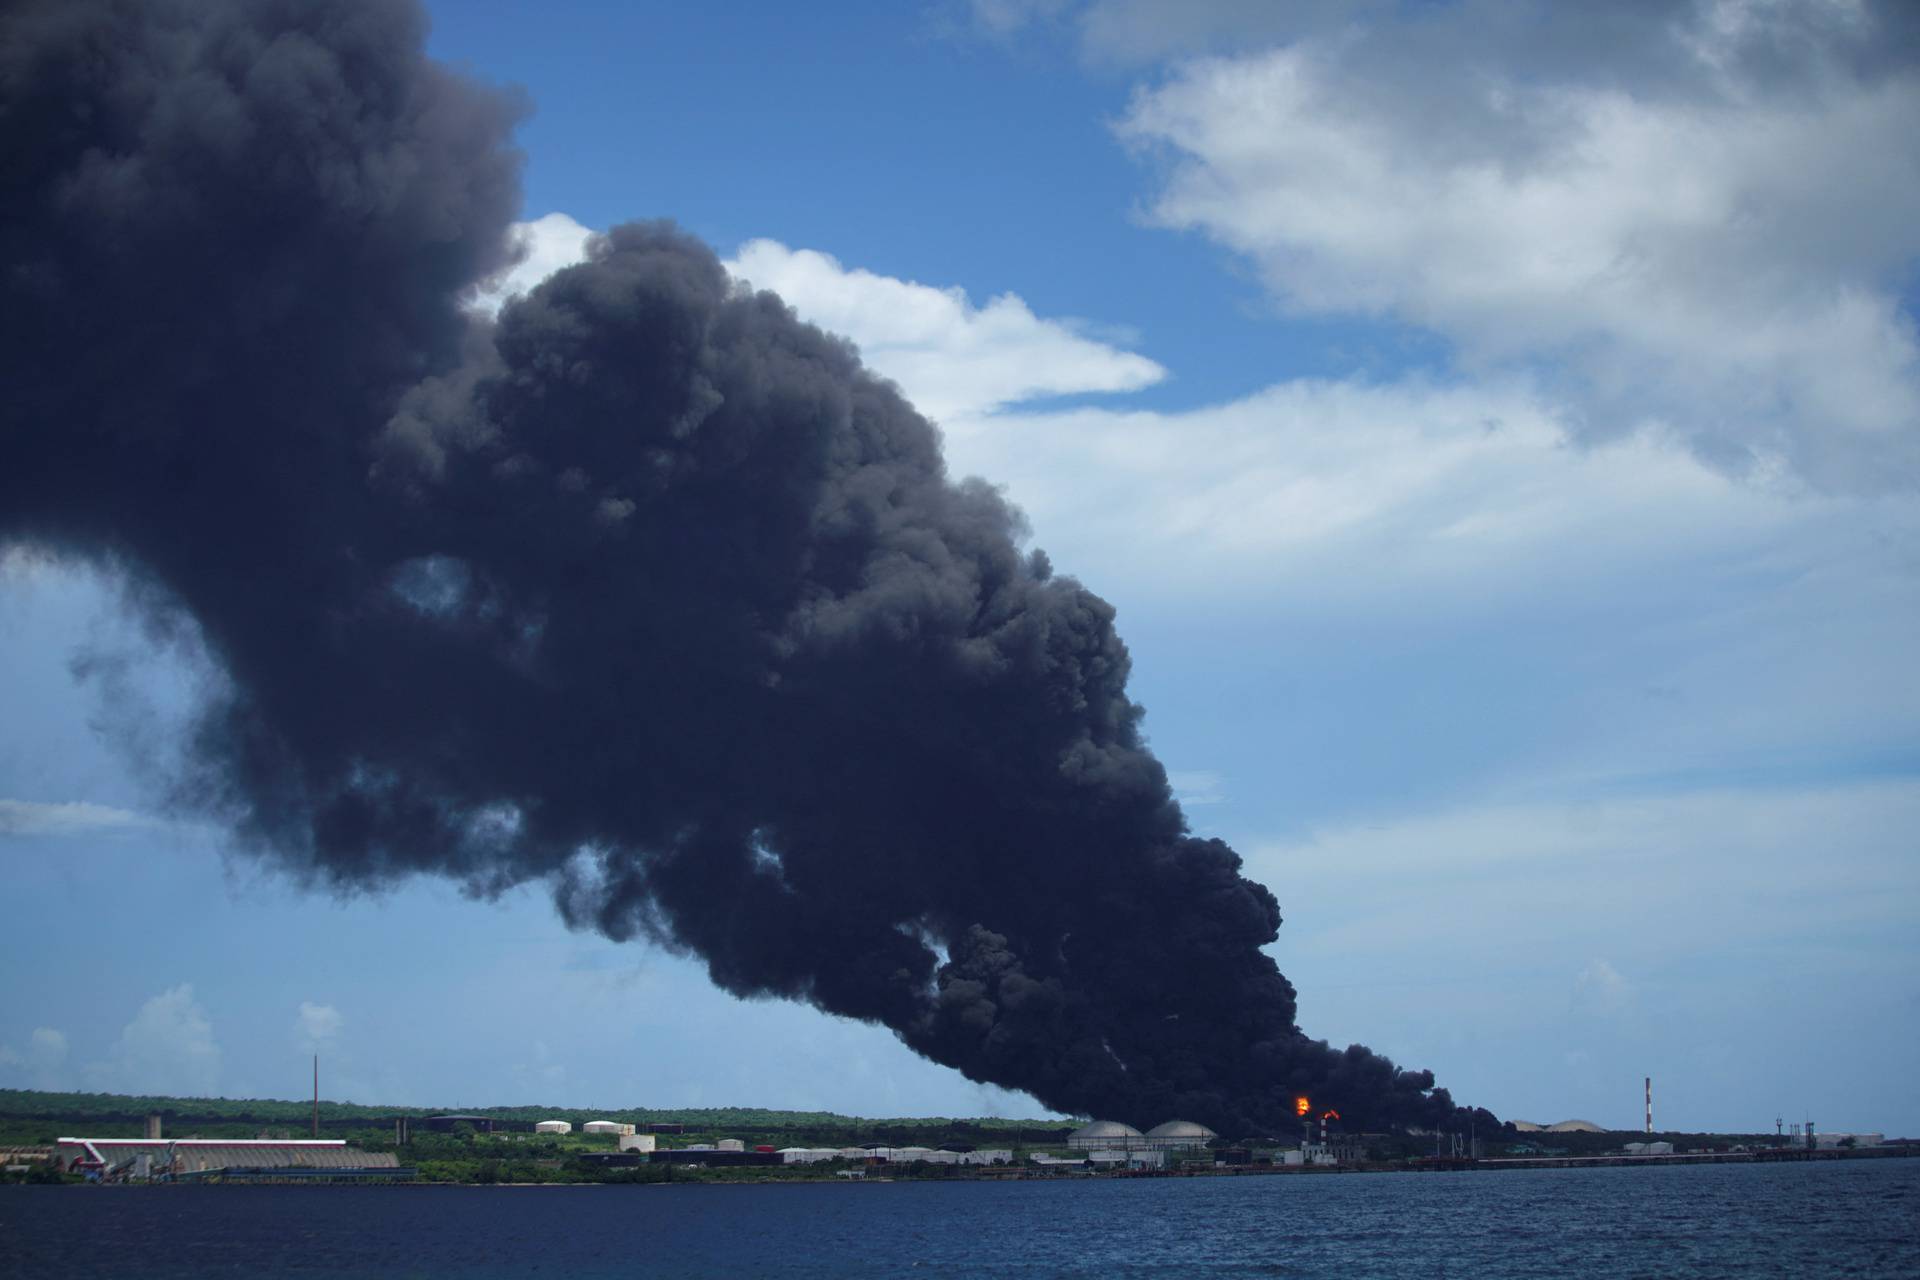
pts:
pixel 1649 1104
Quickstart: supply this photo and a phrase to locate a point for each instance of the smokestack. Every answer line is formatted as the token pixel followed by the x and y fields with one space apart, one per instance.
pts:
pixel 647 593
pixel 153 1126
pixel 316 1095
pixel 1649 1104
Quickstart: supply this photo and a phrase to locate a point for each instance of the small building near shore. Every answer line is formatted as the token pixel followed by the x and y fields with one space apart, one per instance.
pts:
pixel 1833 1141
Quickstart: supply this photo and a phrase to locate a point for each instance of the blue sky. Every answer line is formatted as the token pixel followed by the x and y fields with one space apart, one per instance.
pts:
pixel 1498 437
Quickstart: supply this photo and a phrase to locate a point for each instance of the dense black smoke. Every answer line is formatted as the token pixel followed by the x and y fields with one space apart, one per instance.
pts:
pixel 650 591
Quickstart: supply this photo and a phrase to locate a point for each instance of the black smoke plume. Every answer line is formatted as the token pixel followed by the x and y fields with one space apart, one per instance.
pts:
pixel 648 591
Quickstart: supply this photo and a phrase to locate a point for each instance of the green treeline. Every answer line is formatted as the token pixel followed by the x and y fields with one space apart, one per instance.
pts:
pixel 34 1117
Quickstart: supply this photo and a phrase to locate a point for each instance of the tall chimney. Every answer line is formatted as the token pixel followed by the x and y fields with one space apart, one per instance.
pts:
pixel 153 1126
pixel 1649 1105
pixel 316 1095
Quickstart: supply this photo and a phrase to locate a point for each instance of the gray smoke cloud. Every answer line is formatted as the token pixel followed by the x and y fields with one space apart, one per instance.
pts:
pixel 647 590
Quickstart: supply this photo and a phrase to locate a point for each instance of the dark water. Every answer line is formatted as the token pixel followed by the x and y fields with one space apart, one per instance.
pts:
pixel 1841 1218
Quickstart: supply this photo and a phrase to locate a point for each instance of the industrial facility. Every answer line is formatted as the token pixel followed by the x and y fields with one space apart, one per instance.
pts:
pixel 894 1155
pixel 1564 1126
pixel 228 1159
pixel 1112 1135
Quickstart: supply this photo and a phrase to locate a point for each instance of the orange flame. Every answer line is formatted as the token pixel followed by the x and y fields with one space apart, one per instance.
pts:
pixel 1330 1115
pixel 1301 1106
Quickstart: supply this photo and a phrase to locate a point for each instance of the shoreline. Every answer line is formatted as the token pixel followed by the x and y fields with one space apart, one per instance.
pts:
pixel 1492 1165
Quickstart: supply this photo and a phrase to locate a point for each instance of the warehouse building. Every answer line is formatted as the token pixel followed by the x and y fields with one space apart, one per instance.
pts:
pixel 701 1155
pixel 1830 1141
pixel 124 1159
pixel 894 1155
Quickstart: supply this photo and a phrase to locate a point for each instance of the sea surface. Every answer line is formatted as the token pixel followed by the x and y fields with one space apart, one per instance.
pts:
pixel 1858 1217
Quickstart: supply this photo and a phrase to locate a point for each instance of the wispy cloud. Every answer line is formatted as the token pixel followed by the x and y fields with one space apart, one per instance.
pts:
pixel 41 1065
pixel 1601 989
pixel 1197 786
pixel 168 1047
pixel 317 1027
pixel 66 818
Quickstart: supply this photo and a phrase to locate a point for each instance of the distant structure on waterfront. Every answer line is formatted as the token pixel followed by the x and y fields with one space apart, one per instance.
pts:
pixel 154 1158
pixel 606 1128
pixel 1564 1126
pixel 447 1124
pixel 891 1155
pixel 1112 1135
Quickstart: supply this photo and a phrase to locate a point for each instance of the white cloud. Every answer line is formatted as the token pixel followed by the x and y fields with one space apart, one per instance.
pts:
pixel 317 1027
pixel 66 818
pixel 1364 489
pixel 41 1065
pixel 952 358
pixel 548 243
pixel 1723 259
pixel 1600 989
pixel 168 1048
pixel 1197 787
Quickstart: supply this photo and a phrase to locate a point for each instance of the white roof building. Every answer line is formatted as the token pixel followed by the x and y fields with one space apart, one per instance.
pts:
pixel 189 1156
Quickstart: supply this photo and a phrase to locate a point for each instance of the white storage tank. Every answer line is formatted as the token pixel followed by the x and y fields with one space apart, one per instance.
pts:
pixel 729 1144
pixel 1178 1135
pixel 605 1127
pixel 554 1126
